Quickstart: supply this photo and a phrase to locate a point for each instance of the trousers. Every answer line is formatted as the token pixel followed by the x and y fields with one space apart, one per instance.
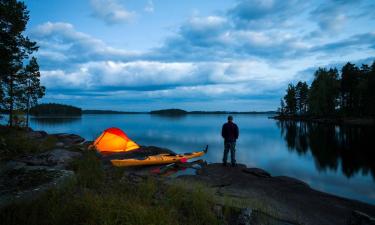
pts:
pixel 229 146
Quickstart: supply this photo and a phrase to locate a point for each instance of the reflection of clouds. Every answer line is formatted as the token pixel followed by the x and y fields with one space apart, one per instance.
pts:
pixel 260 145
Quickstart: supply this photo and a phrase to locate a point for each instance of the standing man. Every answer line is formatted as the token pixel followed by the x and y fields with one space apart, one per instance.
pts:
pixel 230 134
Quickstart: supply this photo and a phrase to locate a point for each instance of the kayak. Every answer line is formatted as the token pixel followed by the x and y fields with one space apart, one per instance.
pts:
pixel 158 159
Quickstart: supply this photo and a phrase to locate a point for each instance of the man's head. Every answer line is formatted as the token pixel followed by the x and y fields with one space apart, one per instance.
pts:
pixel 230 118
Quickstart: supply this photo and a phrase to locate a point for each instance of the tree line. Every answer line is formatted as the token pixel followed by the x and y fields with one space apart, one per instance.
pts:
pixel 350 92
pixel 20 86
pixel 53 109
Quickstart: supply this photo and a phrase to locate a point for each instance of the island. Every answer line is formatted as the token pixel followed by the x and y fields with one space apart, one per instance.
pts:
pixel 54 109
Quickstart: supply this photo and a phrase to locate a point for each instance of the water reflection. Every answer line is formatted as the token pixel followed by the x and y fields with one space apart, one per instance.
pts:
pixel 168 116
pixel 55 120
pixel 349 148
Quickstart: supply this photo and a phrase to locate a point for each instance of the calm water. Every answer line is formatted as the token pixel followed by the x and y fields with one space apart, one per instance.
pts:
pixel 329 158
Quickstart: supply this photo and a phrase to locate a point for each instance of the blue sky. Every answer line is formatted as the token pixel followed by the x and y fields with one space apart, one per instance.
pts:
pixel 237 55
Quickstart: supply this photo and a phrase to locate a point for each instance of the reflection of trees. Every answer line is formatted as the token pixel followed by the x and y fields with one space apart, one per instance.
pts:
pixel 331 145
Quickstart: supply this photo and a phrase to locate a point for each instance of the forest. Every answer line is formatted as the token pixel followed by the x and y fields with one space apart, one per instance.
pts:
pixel 348 93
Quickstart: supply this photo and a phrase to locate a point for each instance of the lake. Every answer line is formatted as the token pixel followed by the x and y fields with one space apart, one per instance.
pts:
pixel 338 160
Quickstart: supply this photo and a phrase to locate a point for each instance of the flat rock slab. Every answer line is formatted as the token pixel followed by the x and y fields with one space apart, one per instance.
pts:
pixel 56 158
pixel 287 198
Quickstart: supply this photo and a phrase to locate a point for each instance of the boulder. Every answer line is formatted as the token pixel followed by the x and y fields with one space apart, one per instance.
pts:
pixel 69 139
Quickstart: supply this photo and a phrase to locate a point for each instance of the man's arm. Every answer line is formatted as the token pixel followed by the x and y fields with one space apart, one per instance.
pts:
pixel 223 131
pixel 237 132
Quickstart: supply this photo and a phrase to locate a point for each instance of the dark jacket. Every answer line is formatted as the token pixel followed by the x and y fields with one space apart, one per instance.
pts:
pixel 230 132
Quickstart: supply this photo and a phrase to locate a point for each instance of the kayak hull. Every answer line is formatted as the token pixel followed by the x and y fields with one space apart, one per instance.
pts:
pixel 156 159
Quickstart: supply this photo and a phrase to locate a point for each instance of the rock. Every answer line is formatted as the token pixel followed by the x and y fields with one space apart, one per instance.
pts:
pixel 26 183
pixel 37 134
pixel 360 218
pixel 12 165
pixel 59 144
pixel 244 218
pixel 291 181
pixel 62 157
pixel 287 198
pixel 259 218
pixel 57 158
pixel 69 139
pixel 257 172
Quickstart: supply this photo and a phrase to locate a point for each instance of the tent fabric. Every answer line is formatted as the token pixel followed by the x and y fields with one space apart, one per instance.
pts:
pixel 114 140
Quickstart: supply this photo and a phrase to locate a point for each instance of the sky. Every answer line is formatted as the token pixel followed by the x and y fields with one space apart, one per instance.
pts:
pixel 232 55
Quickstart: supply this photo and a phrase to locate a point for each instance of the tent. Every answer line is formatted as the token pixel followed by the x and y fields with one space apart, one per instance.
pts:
pixel 114 140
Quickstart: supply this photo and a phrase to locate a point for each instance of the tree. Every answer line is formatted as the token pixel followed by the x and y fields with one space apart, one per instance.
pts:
pixel 350 77
pixel 370 93
pixel 281 109
pixel 362 91
pixel 302 90
pixel 290 100
pixel 32 90
pixel 324 91
pixel 14 49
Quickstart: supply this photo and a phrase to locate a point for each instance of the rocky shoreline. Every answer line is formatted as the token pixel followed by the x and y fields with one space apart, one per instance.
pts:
pixel 257 195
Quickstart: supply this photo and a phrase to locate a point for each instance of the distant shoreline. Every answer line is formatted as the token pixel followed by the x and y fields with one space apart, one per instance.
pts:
pixel 365 121
pixel 163 112
pixel 174 112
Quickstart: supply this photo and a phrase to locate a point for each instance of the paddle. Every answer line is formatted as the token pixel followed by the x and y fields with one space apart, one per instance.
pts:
pixel 172 166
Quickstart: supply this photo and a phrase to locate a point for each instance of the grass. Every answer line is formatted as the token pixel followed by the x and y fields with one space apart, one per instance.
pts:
pixel 100 196
pixel 14 142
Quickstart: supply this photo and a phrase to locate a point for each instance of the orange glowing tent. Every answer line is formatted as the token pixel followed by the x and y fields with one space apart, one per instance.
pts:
pixel 114 140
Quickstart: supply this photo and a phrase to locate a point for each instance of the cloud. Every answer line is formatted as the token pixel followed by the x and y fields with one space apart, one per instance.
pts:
pixel 168 79
pixel 216 38
pixel 332 16
pixel 61 43
pixel 149 6
pixel 111 12
pixel 356 42
pixel 247 54
pixel 264 13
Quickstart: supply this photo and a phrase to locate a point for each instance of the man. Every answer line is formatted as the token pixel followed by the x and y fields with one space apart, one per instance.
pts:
pixel 230 134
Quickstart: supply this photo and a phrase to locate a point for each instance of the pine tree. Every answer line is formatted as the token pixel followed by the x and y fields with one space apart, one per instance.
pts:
pixel 302 90
pixel 31 87
pixel 349 88
pixel 324 91
pixel 14 49
pixel 291 100
pixel 370 109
